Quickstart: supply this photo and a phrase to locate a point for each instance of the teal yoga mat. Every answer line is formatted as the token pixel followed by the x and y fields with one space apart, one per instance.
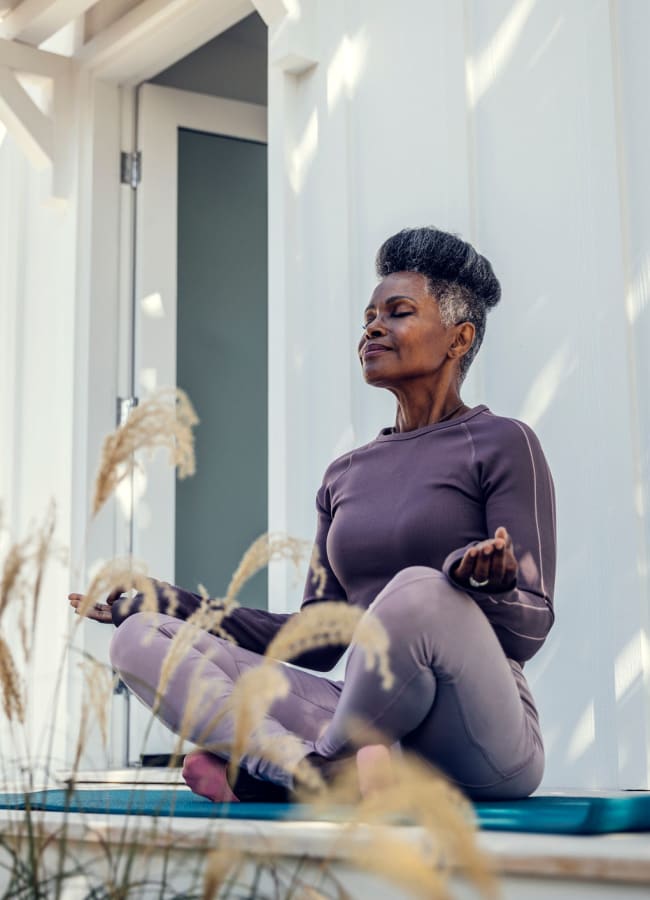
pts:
pixel 546 815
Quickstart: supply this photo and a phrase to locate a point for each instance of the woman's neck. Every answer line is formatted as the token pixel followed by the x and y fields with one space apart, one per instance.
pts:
pixel 409 418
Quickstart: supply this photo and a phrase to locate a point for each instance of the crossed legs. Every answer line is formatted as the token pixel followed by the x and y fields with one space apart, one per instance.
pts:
pixel 456 699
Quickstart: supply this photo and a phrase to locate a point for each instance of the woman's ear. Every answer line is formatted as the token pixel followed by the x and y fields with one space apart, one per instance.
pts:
pixel 463 340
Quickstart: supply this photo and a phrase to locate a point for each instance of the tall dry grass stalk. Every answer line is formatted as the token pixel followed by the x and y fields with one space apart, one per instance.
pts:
pixel 43 550
pixel 21 582
pixel 212 611
pixel 23 571
pixel 268 547
pixel 254 693
pixel 218 865
pixel 332 623
pixel 13 702
pixel 317 571
pixel 408 791
pixel 163 420
pixel 15 563
pixel 99 683
pixel 415 792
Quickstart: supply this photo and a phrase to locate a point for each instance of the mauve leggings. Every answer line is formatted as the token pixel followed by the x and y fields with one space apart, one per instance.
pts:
pixel 456 699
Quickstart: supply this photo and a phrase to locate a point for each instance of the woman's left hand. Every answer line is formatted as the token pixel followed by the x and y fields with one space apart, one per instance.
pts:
pixel 100 612
pixel 491 563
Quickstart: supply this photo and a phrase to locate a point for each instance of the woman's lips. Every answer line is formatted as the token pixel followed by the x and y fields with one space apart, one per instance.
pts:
pixel 374 351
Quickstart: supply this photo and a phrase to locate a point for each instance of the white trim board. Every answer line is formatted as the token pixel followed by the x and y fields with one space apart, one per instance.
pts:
pixel 155 34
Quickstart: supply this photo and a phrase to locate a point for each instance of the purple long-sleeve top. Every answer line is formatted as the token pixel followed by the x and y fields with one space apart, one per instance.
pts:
pixel 423 497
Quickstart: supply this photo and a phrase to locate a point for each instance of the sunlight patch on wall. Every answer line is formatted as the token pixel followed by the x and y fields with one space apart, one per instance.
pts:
pixel 293 9
pixel 629 664
pixel 545 386
pixel 303 153
pixel 638 293
pixel 345 441
pixel 152 306
pixel 298 359
pixel 39 89
pixel 123 491
pixel 584 734
pixel 482 72
pixel 546 43
pixel 149 379
pixel 345 68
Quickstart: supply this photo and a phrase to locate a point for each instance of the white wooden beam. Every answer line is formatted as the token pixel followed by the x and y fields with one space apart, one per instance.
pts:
pixel 64 100
pixel 155 34
pixel 293 45
pixel 34 21
pixel 24 58
pixel 272 11
pixel 44 139
pixel 30 128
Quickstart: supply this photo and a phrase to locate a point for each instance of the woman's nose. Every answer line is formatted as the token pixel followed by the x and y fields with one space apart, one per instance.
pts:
pixel 374 327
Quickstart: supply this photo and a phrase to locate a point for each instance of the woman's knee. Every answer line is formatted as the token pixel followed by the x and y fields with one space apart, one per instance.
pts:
pixel 128 640
pixel 418 592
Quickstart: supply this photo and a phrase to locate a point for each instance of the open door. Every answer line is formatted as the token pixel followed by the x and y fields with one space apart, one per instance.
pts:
pixel 200 322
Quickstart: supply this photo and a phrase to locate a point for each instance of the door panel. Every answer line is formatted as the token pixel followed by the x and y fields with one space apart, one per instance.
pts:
pixel 221 357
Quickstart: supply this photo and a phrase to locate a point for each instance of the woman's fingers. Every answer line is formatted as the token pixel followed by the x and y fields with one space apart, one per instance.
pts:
pixel 482 561
pixel 100 612
pixel 498 566
pixel 492 560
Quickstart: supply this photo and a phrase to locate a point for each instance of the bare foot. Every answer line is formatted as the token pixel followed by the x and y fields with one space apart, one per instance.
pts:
pixel 205 774
pixel 374 769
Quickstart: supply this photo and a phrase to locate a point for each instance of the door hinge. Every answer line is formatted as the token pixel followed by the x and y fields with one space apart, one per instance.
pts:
pixel 131 168
pixel 124 407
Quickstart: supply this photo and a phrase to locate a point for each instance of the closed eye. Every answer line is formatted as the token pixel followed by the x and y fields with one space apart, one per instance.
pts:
pixel 394 315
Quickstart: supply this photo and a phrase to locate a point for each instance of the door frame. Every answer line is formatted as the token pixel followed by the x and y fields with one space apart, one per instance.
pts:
pixel 162 111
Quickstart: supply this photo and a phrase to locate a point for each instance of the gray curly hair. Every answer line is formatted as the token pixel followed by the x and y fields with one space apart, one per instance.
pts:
pixel 461 280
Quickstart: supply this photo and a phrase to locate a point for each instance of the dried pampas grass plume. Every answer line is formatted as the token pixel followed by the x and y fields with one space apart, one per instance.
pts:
pixel 212 611
pixel 163 420
pixel 98 682
pixel 267 547
pixel 44 549
pixel 123 575
pixel 10 682
pixel 22 577
pixel 15 563
pixel 207 617
pixel 329 623
pixel 317 571
pixel 423 796
pixel 254 693
pixel 218 865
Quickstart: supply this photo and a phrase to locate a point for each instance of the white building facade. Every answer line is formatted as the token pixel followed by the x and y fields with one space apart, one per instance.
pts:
pixel 521 125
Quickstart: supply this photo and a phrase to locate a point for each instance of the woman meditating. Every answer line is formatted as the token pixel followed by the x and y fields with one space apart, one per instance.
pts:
pixel 442 527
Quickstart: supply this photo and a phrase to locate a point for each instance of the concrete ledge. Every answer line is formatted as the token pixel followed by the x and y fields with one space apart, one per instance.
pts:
pixel 528 864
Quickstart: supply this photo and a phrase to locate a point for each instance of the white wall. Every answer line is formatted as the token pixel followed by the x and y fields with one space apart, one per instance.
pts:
pixel 520 125
pixel 37 317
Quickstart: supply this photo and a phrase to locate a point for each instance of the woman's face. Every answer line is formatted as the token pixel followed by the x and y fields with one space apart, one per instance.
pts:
pixel 403 318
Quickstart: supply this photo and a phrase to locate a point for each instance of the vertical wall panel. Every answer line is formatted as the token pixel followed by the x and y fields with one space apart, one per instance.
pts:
pixel 630 23
pixel 548 213
pixel 37 259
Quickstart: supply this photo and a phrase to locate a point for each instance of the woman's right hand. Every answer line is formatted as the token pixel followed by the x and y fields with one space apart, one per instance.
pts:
pixel 99 612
